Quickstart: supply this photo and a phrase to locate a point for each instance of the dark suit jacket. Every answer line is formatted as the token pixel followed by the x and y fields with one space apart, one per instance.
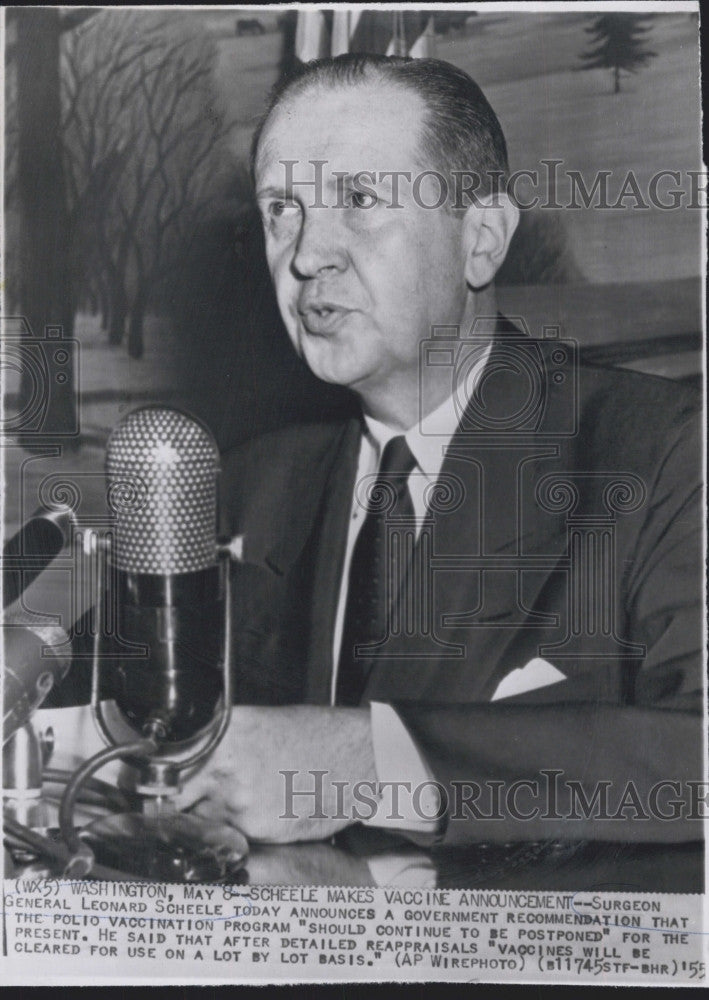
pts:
pixel 510 581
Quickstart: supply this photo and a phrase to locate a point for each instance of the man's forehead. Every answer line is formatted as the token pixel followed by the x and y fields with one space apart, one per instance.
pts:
pixel 369 125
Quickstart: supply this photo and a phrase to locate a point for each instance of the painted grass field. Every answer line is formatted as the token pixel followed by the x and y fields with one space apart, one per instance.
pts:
pixel 528 66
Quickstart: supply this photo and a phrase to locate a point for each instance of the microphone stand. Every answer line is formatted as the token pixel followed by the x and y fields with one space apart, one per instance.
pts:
pixel 166 845
pixel 22 758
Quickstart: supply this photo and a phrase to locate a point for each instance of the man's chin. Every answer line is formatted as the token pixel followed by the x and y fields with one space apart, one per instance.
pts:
pixel 335 370
pixel 345 379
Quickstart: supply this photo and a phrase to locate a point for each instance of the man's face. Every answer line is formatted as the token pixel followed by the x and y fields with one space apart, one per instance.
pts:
pixel 359 283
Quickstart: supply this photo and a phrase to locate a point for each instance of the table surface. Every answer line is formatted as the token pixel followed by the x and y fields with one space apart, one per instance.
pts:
pixel 360 857
pixel 551 867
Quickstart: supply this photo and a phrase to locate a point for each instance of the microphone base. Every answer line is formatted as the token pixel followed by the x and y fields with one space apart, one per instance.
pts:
pixel 169 847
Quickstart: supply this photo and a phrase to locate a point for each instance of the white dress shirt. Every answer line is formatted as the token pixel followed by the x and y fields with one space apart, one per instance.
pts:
pixel 397 758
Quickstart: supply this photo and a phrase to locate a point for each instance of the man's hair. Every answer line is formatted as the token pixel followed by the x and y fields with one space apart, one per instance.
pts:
pixel 460 131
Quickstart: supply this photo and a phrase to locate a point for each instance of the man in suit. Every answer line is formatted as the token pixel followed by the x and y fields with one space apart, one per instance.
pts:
pixel 486 588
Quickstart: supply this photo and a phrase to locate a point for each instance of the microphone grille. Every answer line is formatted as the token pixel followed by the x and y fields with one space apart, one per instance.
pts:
pixel 162 467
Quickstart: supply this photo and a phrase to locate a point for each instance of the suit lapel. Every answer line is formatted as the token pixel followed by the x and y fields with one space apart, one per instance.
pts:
pixel 285 501
pixel 289 499
pixel 329 550
pixel 492 550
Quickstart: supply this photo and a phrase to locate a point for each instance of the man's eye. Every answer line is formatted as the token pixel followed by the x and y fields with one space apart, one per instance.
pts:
pixel 362 199
pixel 280 208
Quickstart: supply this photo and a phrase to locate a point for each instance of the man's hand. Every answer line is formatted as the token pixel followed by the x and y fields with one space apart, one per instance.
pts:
pixel 242 784
pixel 306 864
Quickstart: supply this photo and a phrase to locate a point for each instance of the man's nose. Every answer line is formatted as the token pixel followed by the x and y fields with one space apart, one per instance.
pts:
pixel 320 247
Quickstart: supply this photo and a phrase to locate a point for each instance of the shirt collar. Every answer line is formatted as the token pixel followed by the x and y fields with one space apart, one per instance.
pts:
pixel 429 439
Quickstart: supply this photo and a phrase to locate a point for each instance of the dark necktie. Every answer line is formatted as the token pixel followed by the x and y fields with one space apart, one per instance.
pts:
pixel 373 583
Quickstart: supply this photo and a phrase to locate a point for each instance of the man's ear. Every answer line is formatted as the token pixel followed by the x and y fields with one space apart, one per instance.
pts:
pixel 488 228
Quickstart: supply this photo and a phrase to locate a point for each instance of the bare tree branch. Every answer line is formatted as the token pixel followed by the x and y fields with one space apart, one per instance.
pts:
pixel 140 156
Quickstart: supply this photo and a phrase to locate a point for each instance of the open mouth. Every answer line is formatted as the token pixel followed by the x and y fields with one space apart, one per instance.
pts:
pixel 322 319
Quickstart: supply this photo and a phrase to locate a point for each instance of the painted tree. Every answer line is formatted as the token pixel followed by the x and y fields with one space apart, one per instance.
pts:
pixel 100 66
pixel 619 44
pixel 142 144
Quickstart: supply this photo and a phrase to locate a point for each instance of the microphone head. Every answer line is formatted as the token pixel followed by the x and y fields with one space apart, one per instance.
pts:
pixel 162 467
